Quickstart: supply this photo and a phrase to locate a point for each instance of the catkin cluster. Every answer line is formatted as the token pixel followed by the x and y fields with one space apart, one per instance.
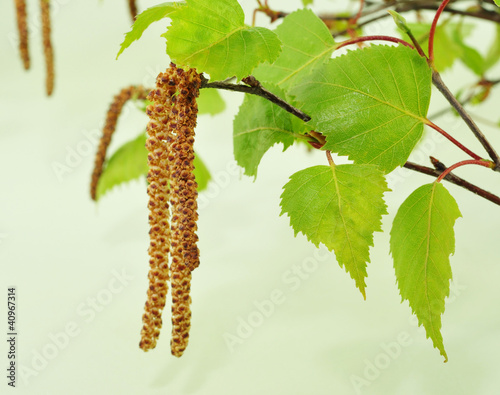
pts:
pixel 114 111
pixel 172 193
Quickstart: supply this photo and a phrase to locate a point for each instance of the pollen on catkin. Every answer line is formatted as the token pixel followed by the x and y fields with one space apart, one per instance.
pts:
pixel 47 46
pixel 114 111
pixel 171 180
pixel 22 28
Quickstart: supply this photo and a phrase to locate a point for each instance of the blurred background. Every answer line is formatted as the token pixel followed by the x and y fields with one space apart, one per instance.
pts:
pixel 271 313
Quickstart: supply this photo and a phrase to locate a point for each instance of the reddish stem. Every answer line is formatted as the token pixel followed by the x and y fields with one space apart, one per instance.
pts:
pixel 463 163
pixel 354 21
pixel 373 38
pixel 454 141
pixel 358 15
pixel 432 33
pixel 330 159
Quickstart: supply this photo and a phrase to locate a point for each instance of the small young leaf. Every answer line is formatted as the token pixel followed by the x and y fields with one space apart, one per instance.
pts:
pixel 307 2
pixel 422 240
pixel 257 127
pixel 145 19
pixel 306 44
pixel 210 102
pixel 212 37
pixel 130 162
pixel 497 2
pixel 400 21
pixel 339 206
pixel 370 104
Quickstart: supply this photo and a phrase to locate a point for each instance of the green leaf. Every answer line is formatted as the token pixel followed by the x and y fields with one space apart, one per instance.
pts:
pixel 493 55
pixel 469 56
pixel 339 206
pixel 259 125
pixel 130 162
pixel 307 43
pixel 497 2
pixel 201 173
pixel 212 37
pixel 422 240
pixel 307 2
pixel 145 19
pixel 370 104
pixel 210 102
pixel 127 163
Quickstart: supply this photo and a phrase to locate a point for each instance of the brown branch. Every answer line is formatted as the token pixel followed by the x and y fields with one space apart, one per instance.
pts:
pixel 438 82
pixel 133 9
pixel 254 87
pixel 440 167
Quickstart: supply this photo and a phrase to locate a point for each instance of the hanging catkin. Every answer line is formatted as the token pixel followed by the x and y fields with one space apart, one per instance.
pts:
pixel 47 46
pixel 114 111
pixel 22 27
pixel 133 9
pixel 170 145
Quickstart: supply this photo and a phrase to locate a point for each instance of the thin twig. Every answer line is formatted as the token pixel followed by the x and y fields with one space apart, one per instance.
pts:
pixel 407 6
pixel 454 180
pixel 256 89
pixel 432 32
pixel 483 163
pixel 132 9
pixel 438 82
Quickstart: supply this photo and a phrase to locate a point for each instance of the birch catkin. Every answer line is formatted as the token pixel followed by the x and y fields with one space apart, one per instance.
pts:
pixel 47 46
pixel 171 179
pixel 184 251
pixel 114 111
pixel 22 27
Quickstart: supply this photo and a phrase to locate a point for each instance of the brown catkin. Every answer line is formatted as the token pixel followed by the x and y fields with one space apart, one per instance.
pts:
pixel 47 46
pixel 114 111
pixel 170 144
pixel 22 27
pixel 183 199
pixel 133 9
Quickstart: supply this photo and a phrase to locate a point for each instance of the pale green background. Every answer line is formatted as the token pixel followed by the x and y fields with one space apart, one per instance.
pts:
pixel 59 249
